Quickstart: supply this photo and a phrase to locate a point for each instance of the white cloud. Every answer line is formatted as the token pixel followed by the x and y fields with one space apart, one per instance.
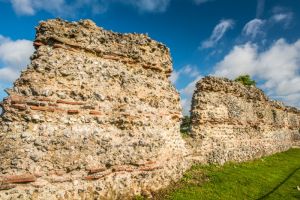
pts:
pixel 23 7
pixel 218 32
pixel 238 61
pixel 284 18
pixel 258 27
pixel 174 76
pixel 187 94
pixel 292 99
pixel 14 56
pixel 3 39
pixel 30 7
pixel 190 71
pixel 202 1
pixel 65 8
pixel 189 89
pixel 277 67
pixel 281 15
pixel 8 74
pixel 150 5
pixel 253 28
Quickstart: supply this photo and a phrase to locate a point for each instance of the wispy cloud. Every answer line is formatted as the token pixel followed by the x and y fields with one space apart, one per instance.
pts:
pixel 260 8
pixel 259 27
pixel 23 7
pixel 217 34
pixel 277 68
pixel 150 5
pixel 30 7
pixel 186 71
pixel 174 76
pixel 282 16
pixel 70 9
pixel 253 28
pixel 198 2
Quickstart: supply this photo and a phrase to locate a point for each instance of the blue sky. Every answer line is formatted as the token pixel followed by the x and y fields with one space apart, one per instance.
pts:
pixel 206 37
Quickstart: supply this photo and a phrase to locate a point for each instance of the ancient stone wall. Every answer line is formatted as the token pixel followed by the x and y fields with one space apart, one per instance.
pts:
pixel 233 122
pixel 94 116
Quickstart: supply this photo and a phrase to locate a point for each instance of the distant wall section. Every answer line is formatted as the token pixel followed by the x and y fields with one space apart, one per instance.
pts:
pixel 233 122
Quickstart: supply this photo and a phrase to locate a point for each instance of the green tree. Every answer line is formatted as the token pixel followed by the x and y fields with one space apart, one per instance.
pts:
pixel 185 125
pixel 245 80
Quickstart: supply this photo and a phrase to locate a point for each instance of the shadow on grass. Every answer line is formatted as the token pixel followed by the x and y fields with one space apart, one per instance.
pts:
pixel 280 184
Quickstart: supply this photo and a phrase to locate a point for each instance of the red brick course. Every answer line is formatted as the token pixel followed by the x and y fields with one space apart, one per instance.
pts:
pixel 96 170
pixel 69 102
pixel 149 168
pixel 73 112
pixel 24 178
pixel 94 112
pixel 19 107
pixel 37 44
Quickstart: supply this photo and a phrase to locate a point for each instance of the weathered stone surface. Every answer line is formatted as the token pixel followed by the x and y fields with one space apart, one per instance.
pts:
pixel 233 122
pixel 94 116
pixel 96 106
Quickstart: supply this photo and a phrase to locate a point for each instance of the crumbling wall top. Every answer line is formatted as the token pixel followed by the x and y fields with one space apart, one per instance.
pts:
pixel 131 49
pixel 218 84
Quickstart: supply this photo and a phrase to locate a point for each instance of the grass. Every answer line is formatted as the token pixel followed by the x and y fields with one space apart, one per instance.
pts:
pixel 272 177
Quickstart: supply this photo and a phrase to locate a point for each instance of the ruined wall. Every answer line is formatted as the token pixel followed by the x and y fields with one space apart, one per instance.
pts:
pixel 233 122
pixel 93 116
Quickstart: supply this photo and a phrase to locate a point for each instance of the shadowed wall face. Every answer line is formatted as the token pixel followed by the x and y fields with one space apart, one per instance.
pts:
pixel 233 122
pixel 93 116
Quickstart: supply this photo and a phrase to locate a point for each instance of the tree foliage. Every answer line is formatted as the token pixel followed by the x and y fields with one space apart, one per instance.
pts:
pixel 185 125
pixel 245 80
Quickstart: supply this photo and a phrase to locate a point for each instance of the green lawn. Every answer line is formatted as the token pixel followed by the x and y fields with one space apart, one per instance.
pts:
pixel 273 177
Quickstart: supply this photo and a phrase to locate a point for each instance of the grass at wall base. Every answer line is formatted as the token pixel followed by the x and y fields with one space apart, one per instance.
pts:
pixel 274 177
